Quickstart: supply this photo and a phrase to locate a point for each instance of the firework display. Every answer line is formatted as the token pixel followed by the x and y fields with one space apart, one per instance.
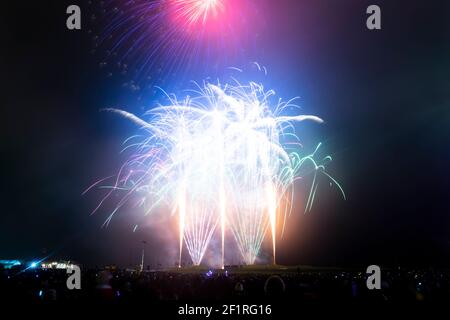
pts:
pixel 224 158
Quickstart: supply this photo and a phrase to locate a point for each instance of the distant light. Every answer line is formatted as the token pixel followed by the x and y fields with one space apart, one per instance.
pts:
pixel 8 264
pixel 57 265
pixel 33 264
pixel 40 293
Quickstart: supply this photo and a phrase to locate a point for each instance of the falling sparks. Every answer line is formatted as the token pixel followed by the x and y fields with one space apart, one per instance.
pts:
pixel 151 41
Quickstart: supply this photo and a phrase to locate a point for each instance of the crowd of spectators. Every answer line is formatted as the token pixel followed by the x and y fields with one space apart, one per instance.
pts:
pixel 398 285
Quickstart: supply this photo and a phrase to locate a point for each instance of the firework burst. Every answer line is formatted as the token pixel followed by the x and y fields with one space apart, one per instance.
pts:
pixel 150 41
pixel 198 11
pixel 217 160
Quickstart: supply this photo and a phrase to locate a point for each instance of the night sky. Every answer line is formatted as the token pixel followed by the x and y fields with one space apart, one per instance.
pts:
pixel 384 95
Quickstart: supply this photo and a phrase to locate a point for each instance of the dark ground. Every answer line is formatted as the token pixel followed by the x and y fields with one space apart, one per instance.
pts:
pixel 234 284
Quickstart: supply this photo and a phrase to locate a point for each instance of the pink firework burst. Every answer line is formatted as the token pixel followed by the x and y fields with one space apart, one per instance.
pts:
pixel 151 41
pixel 198 11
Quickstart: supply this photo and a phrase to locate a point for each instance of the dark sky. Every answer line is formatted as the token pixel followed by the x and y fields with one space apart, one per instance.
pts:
pixel 385 96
